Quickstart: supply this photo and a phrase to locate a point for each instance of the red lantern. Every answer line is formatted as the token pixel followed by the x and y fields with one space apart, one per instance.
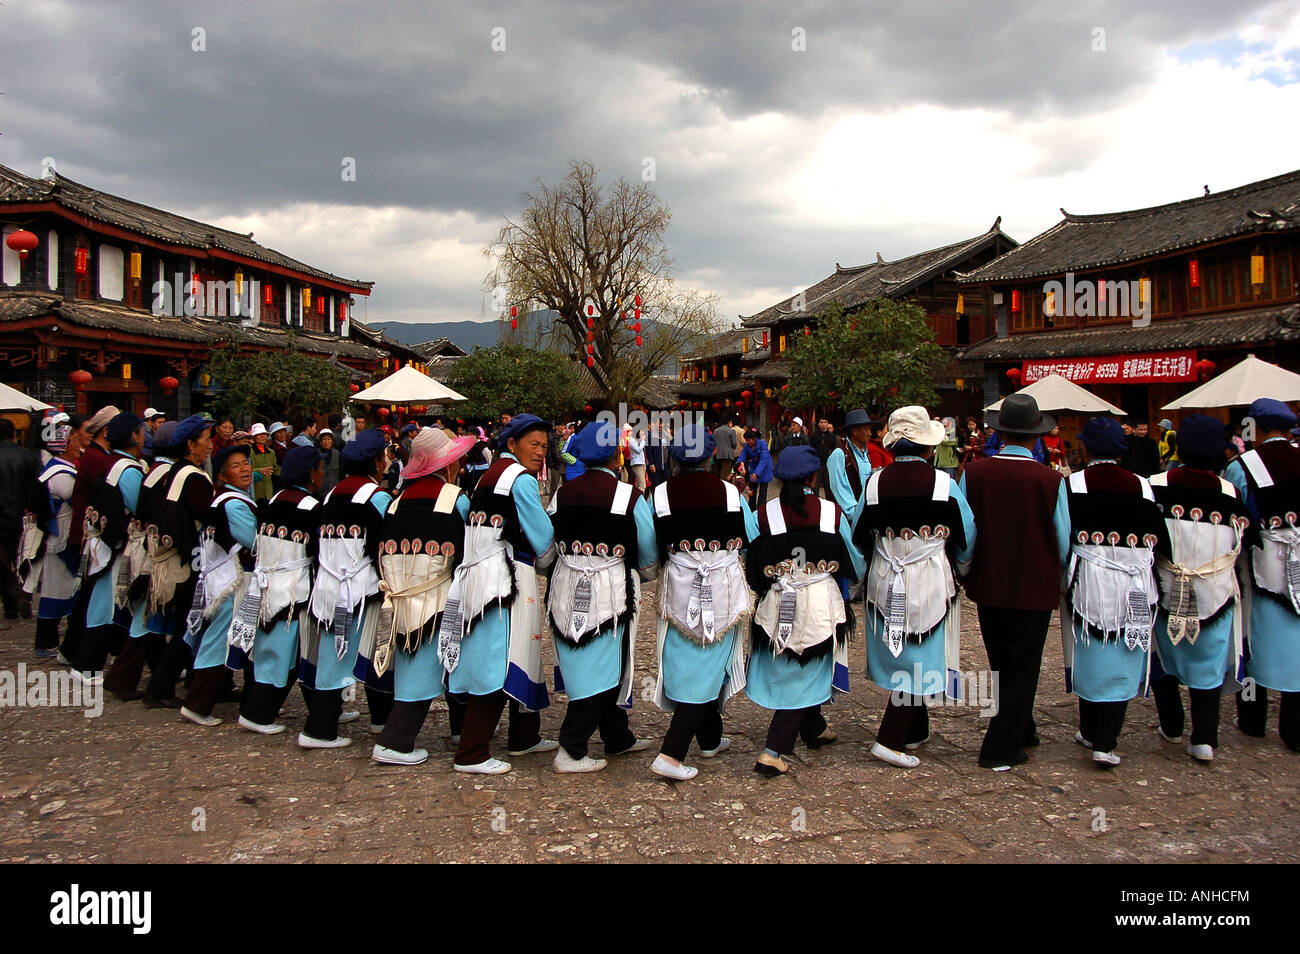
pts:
pixel 354 387
pixel 587 408
pixel 22 242
pixel 80 378
pixel 514 316
pixel 1204 368
pixel 638 341
pixel 381 412
pixel 591 323
pixel 1015 299
pixel 1014 375
pixel 746 394
pixel 168 384
pixel 591 362
pixel 637 301
pixel 717 406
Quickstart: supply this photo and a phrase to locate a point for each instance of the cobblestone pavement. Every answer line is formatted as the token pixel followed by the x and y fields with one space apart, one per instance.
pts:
pixel 135 786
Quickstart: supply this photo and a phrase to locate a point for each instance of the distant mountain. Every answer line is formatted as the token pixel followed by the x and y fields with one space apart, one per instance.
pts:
pixel 467 334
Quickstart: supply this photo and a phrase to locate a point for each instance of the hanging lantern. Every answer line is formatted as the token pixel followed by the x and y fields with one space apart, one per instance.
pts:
pixel 717 406
pixel 268 296
pixel 83 261
pixel 637 301
pixel 1204 368
pixel 381 411
pixel 1101 289
pixel 239 276
pixel 1014 375
pixel 1015 299
pixel 320 306
pixel 587 408
pixel 514 317
pixel 354 387
pixel 726 402
pixel 638 341
pixel 126 371
pixel 746 395
pixel 80 378
pixel 169 385
pixel 306 298
pixel 783 344
pixel 22 242
pixel 744 345
pixel 961 304
pixel 1257 268
pixel 767 392
pixel 764 337
pixel 591 323
pixel 807 330
pixel 725 369
pixel 1194 273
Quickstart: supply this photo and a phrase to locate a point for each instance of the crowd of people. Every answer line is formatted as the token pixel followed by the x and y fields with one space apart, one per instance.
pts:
pixel 408 560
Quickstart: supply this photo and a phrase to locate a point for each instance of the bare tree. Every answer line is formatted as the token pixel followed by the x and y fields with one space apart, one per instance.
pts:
pixel 577 244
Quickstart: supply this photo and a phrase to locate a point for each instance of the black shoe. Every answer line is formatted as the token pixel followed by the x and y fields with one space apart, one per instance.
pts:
pixel 127 696
pixel 1002 765
pixel 153 703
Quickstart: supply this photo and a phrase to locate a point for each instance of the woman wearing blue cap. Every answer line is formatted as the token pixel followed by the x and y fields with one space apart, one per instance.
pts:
pixel 604 535
pixel 268 619
pixel 1198 623
pixel 225 561
pixel 918 533
pixel 1268 477
pixel 799 564
pixel 490 636
pixel 702 525
pixel 1108 611
pixel 345 600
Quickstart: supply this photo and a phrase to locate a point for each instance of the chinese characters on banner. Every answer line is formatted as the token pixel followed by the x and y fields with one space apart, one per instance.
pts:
pixel 1152 368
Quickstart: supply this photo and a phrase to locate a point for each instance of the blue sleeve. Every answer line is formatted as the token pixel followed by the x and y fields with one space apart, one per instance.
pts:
pixel 462 507
pixel 751 520
pixel 532 517
pixel 1061 520
pixel 839 481
pixel 765 463
pixel 855 555
pixel 243 522
pixel 129 485
pixel 965 554
pixel 380 500
pixel 647 545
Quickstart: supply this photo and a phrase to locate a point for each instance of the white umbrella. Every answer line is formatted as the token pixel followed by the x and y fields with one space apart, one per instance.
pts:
pixel 1242 384
pixel 407 386
pixel 14 400
pixel 1058 393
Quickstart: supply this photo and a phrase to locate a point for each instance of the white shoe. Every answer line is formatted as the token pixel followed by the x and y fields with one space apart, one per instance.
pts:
pixel 374 729
pixel 546 745
pixel 901 759
pixel 1078 737
pixel 274 728
pixel 490 767
pixel 88 681
pixel 199 719
pixel 913 746
pixel 389 756
pixel 678 773
pixel 306 741
pixel 1105 759
pixel 1202 753
pixel 723 744
pixel 640 745
pixel 1175 739
pixel 349 715
pixel 566 764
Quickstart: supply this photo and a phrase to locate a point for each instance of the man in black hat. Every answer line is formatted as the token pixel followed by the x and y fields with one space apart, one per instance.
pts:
pixel 849 465
pixel 1022 520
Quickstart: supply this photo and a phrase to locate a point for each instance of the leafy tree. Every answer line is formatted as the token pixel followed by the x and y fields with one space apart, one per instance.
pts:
pixel 879 357
pixel 578 243
pixel 512 378
pixel 276 385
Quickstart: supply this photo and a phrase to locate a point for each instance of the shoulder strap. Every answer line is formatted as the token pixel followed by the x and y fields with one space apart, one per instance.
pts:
pixel 873 487
pixel 662 509
pixel 942 487
pixel 228 495
pixel 1146 489
pixel 1255 464
pixel 446 502
pixel 1227 486
pixel 733 496
pixel 1162 479
pixel 179 478
pixel 1077 484
pixel 508 478
pixel 364 493
pixel 54 470
pixel 775 518
pixel 826 519
pixel 118 469
pixel 622 496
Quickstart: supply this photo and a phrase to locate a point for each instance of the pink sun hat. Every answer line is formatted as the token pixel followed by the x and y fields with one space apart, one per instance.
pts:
pixel 432 450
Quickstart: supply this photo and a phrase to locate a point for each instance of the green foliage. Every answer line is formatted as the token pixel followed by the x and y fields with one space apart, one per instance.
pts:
pixel 880 357
pixel 513 379
pixel 276 385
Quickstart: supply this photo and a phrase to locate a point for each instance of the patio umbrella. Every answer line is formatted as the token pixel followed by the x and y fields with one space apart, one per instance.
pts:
pixel 14 400
pixel 408 386
pixel 1058 393
pixel 1241 384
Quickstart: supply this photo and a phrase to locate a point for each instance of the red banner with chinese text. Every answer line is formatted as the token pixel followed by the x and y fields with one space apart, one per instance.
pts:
pixel 1158 367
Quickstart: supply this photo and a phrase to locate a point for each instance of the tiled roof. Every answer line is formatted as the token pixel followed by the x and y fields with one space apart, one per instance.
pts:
pixel 147 221
pixel 1080 242
pixel 1257 326
pixel 709 389
pixel 728 343
pixel 879 279
pixel 776 369
pixel 439 347
pixel 196 329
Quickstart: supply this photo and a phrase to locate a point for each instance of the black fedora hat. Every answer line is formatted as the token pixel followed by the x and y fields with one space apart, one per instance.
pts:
pixel 1019 415
pixel 857 417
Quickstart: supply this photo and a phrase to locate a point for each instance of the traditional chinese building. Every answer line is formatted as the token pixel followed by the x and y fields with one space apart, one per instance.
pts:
pixel 1141 306
pixel 753 358
pixel 109 300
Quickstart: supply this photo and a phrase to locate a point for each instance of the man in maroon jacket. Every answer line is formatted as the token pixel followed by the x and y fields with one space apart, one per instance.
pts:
pixel 1022 521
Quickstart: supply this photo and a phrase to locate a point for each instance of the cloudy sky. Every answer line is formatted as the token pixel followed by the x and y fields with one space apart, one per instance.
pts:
pixel 896 127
